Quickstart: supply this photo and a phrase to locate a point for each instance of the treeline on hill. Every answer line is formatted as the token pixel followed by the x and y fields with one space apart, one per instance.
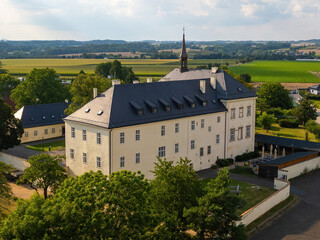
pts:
pixel 152 49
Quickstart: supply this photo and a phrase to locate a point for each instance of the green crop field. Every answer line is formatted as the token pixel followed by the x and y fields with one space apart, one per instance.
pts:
pixel 279 71
pixel 71 67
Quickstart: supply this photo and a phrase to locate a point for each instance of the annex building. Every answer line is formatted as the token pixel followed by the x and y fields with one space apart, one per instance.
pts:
pixel 42 121
pixel 199 114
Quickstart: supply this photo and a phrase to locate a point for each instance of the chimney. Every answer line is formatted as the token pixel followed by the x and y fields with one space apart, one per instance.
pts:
pixel 149 80
pixel 214 69
pixel 135 81
pixel 95 92
pixel 203 86
pixel 213 81
pixel 116 82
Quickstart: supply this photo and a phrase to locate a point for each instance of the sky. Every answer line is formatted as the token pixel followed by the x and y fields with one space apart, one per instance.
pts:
pixel 135 20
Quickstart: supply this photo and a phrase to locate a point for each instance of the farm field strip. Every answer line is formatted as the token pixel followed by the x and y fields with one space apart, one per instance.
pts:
pixel 279 71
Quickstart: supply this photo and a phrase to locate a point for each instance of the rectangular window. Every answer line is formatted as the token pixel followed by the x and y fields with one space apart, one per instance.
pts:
pixel 84 135
pixel 201 151
pixel 71 153
pixel 209 129
pixel 202 123
pixel 53 130
pixel 176 128
pixel 73 132
pixel 193 125
pixel 232 134
pixel 46 131
pixel 137 135
pixel 233 113
pixel 248 131
pixel 241 112
pixel 122 137
pixel 137 157
pixel 176 148
pixel 217 138
pixel 35 133
pixel 192 144
pixel 218 119
pixel 249 111
pixel 162 151
pixel 122 162
pixel 163 130
pixel 240 133
pixel 26 134
pixel 99 138
pixel 209 150
pixel 99 162
pixel 84 157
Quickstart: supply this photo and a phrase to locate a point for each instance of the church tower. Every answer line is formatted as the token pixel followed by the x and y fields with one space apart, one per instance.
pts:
pixel 183 56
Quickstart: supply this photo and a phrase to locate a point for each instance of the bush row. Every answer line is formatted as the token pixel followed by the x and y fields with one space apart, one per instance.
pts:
pixel 288 123
pixel 247 156
pixel 224 162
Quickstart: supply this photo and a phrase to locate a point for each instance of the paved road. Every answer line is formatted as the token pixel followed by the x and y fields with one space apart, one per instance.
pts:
pixel 301 222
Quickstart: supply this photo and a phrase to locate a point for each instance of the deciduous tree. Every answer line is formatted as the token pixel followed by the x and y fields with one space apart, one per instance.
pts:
pixel 44 171
pixel 40 87
pixel 82 89
pixel 7 84
pixel 11 129
pixel 305 111
pixel 275 95
pixel 5 190
pixel 214 217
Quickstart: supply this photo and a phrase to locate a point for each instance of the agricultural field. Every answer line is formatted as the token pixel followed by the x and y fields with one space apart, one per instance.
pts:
pixel 71 67
pixel 280 71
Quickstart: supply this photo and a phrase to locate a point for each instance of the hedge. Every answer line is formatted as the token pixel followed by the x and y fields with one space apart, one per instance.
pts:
pixel 224 162
pixel 247 156
pixel 288 123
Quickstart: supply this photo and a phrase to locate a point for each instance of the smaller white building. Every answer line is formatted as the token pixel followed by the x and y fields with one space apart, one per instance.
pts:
pixel 315 90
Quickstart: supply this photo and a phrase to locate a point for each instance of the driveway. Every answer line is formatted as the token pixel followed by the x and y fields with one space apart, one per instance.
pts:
pixel 301 222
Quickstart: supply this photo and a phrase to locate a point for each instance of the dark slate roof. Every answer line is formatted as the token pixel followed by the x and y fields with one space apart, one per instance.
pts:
pixel 317 87
pixel 42 114
pixel 120 104
pixel 288 142
pixel 287 158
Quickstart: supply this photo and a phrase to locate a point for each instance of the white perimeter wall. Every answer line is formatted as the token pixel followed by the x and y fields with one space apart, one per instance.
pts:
pixel 297 169
pixel 268 203
pixel 16 162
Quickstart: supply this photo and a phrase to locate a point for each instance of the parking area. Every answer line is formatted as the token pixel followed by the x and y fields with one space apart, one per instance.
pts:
pixel 301 222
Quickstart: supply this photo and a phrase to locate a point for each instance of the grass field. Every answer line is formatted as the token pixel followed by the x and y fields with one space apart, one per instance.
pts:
pixel 279 71
pixel 295 133
pixel 71 67
pixel 58 145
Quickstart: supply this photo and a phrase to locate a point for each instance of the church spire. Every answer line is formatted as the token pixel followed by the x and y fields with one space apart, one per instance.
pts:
pixel 183 56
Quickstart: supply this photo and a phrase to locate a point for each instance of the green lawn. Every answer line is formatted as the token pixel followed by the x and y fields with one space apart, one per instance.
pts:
pixel 57 145
pixel 315 103
pixel 279 71
pixel 296 133
pixel 251 193
pixel 243 170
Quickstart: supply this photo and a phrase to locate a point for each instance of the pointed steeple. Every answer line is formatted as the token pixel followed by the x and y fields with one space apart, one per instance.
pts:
pixel 183 56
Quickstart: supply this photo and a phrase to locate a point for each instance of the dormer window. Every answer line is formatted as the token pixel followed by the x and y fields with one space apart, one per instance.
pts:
pixel 190 101
pixel 165 104
pixel 87 110
pixel 177 102
pixel 151 106
pixel 137 107
pixel 100 112
pixel 202 100
pixel 43 117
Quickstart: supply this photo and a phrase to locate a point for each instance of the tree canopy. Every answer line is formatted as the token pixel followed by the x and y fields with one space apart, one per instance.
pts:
pixel 11 129
pixel 305 111
pixel 7 84
pixel 274 95
pixel 44 171
pixel 5 190
pixel 82 89
pixel 40 87
pixel 2 71
pixel 116 70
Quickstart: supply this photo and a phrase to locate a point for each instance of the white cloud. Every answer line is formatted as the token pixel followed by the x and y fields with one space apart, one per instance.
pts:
pixel 249 10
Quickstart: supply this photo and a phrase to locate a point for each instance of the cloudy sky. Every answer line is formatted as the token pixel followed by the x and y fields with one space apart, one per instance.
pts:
pixel 159 19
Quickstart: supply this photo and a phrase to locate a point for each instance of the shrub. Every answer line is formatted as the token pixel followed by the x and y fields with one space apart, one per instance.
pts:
pixel 288 123
pixel 247 156
pixel 224 162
